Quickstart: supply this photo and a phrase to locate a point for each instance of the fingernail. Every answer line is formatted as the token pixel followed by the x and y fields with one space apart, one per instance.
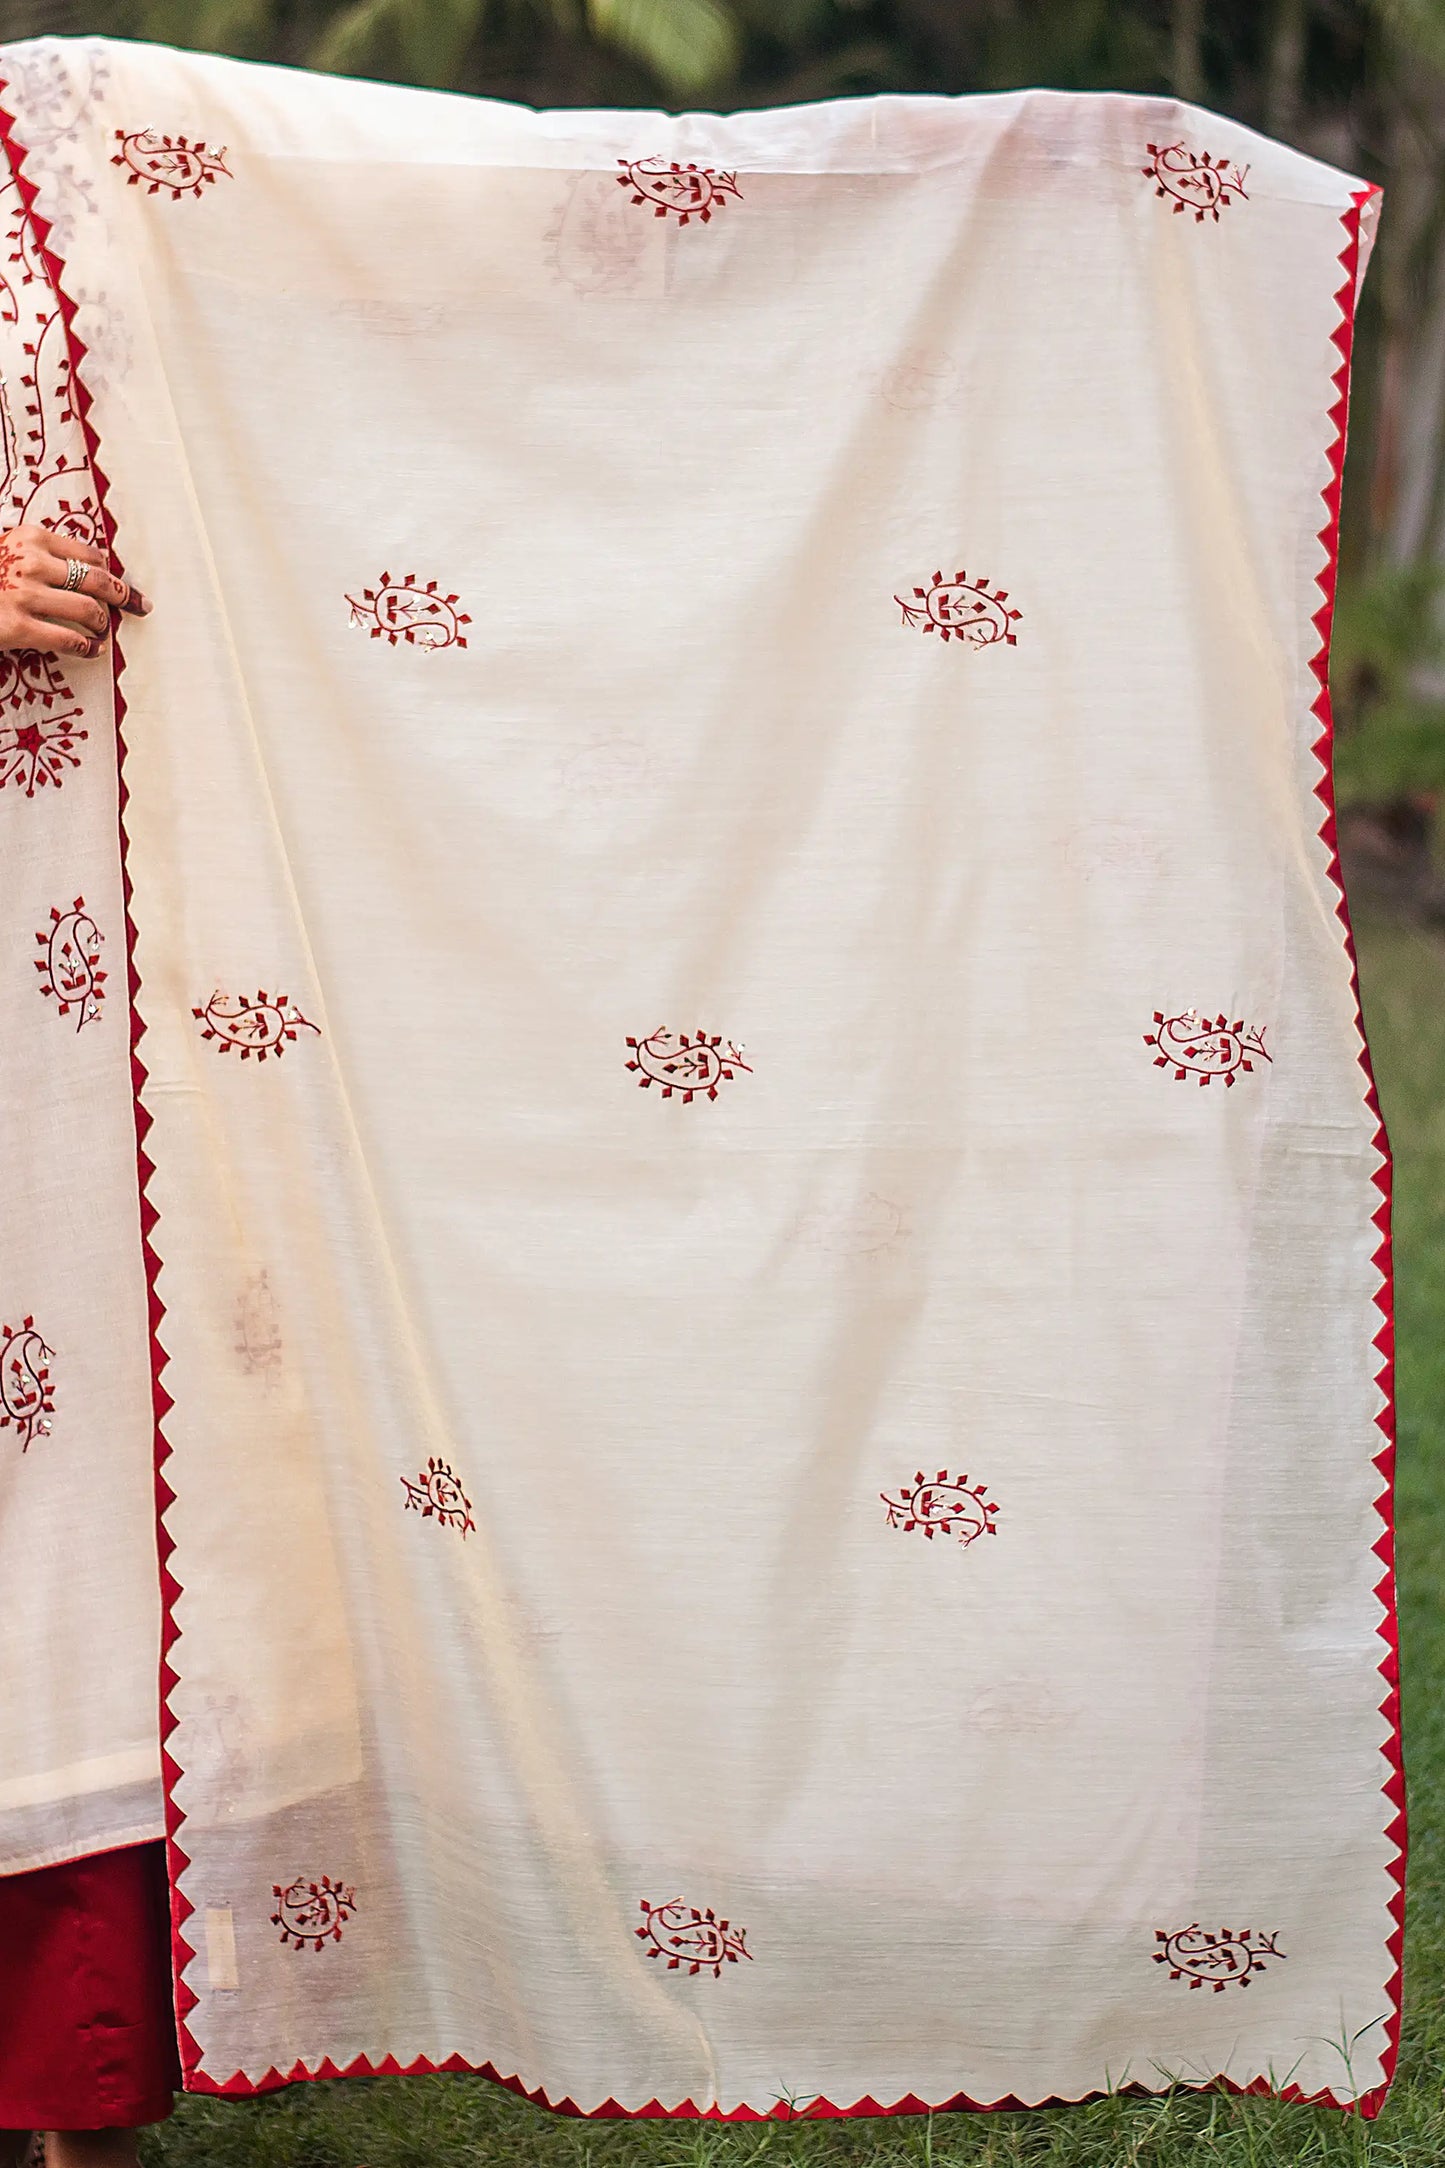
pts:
pixel 94 648
pixel 136 603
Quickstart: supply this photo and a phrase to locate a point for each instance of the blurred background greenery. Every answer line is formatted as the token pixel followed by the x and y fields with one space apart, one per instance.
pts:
pixel 1360 83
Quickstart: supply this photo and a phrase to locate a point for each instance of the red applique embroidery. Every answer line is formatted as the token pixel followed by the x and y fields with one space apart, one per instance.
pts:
pixel 422 616
pixel 1217 1961
pixel 163 161
pixel 42 455
pixel 673 190
pixel 35 753
pixel 27 1397
pixel 1194 180
pixel 260 1027
pixel 962 609
pixel 437 1493
pixel 41 441
pixel 258 1326
pixel 685 1936
pixel 687 1064
pixel 70 968
pixel 26 676
pixel 312 1913
pixel 1205 1047
pixel 949 1505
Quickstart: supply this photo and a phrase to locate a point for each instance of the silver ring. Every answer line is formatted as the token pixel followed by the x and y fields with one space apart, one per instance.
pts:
pixel 75 573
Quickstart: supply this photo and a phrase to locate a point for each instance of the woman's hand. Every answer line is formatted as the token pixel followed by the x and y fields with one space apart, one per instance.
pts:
pixel 38 610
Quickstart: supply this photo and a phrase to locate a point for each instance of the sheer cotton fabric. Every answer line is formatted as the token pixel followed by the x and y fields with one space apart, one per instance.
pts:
pixel 766 1240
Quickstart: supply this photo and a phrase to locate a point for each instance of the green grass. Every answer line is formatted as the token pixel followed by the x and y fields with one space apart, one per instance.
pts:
pixel 448 2122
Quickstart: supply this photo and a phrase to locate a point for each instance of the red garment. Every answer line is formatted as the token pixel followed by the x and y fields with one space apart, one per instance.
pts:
pixel 87 2030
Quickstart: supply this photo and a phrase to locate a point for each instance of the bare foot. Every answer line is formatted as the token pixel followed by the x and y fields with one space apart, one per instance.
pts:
pixel 90 2149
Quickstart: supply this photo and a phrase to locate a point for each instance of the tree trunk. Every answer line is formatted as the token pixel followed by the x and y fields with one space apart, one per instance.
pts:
pixel 1284 89
pixel 1187 55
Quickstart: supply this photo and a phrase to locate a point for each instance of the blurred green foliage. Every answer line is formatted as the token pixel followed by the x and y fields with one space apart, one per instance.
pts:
pixel 1388 679
pixel 1360 83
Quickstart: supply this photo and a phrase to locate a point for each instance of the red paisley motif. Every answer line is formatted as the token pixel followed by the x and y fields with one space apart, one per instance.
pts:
pixel 438 1494
pixel 311 1914
pixel 1205 1047
pixel 685 1064
pixel 962 609
pixel 677 191
pixel 265 1025
pixel 404 610
pixel 1218 1961
pixel 70 968
pixel 258 1328
pixel 685 1936
pixel 162 161
pixel 27 1396
pixel 1194 180
pixel 946 1505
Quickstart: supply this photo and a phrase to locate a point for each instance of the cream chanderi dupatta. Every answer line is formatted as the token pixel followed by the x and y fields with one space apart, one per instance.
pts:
pixel 698 1062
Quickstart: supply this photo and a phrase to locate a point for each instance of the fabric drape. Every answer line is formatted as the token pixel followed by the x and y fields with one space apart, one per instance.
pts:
pixel 748 1207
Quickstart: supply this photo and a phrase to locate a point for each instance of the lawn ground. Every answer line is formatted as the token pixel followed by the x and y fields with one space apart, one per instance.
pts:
pixel 469 2123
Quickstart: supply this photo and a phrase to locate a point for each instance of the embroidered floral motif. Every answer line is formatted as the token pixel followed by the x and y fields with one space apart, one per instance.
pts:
pixel 1008 1707
pixel 1217 1961
pixel 44 471
pixel 612 771
pixel 874 1227
pixel 21 255
pixel 162 161
pixel 689 1063
pixel 949 1505
pixel 1097 849
pixel 962 609
pixel 1205 1047
pixel 70 968
pixel 594 244
pixel 437 1492
pixel 685 1936
pixel 265 1025
pixel 27 1397
pixel 422 616
pixel 38 751
pixel 921 382
pixel 105 335
pixel 57 86
pixel 673 190
pixel 45 478
pixel 1194 180
pixel 312 1913
pixel 258 1328
pixel 220 1749
pixel 26 676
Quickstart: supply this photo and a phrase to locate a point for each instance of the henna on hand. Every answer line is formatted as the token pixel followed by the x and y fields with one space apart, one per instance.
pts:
pixel 39 613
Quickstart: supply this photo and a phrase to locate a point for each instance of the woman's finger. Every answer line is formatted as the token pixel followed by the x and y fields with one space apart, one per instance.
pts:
pixel 46 638
pixel 95 579
pixel 65 545
pixel 64 608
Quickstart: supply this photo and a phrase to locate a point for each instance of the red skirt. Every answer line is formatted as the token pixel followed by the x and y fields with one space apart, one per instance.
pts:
pixel 87 2032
